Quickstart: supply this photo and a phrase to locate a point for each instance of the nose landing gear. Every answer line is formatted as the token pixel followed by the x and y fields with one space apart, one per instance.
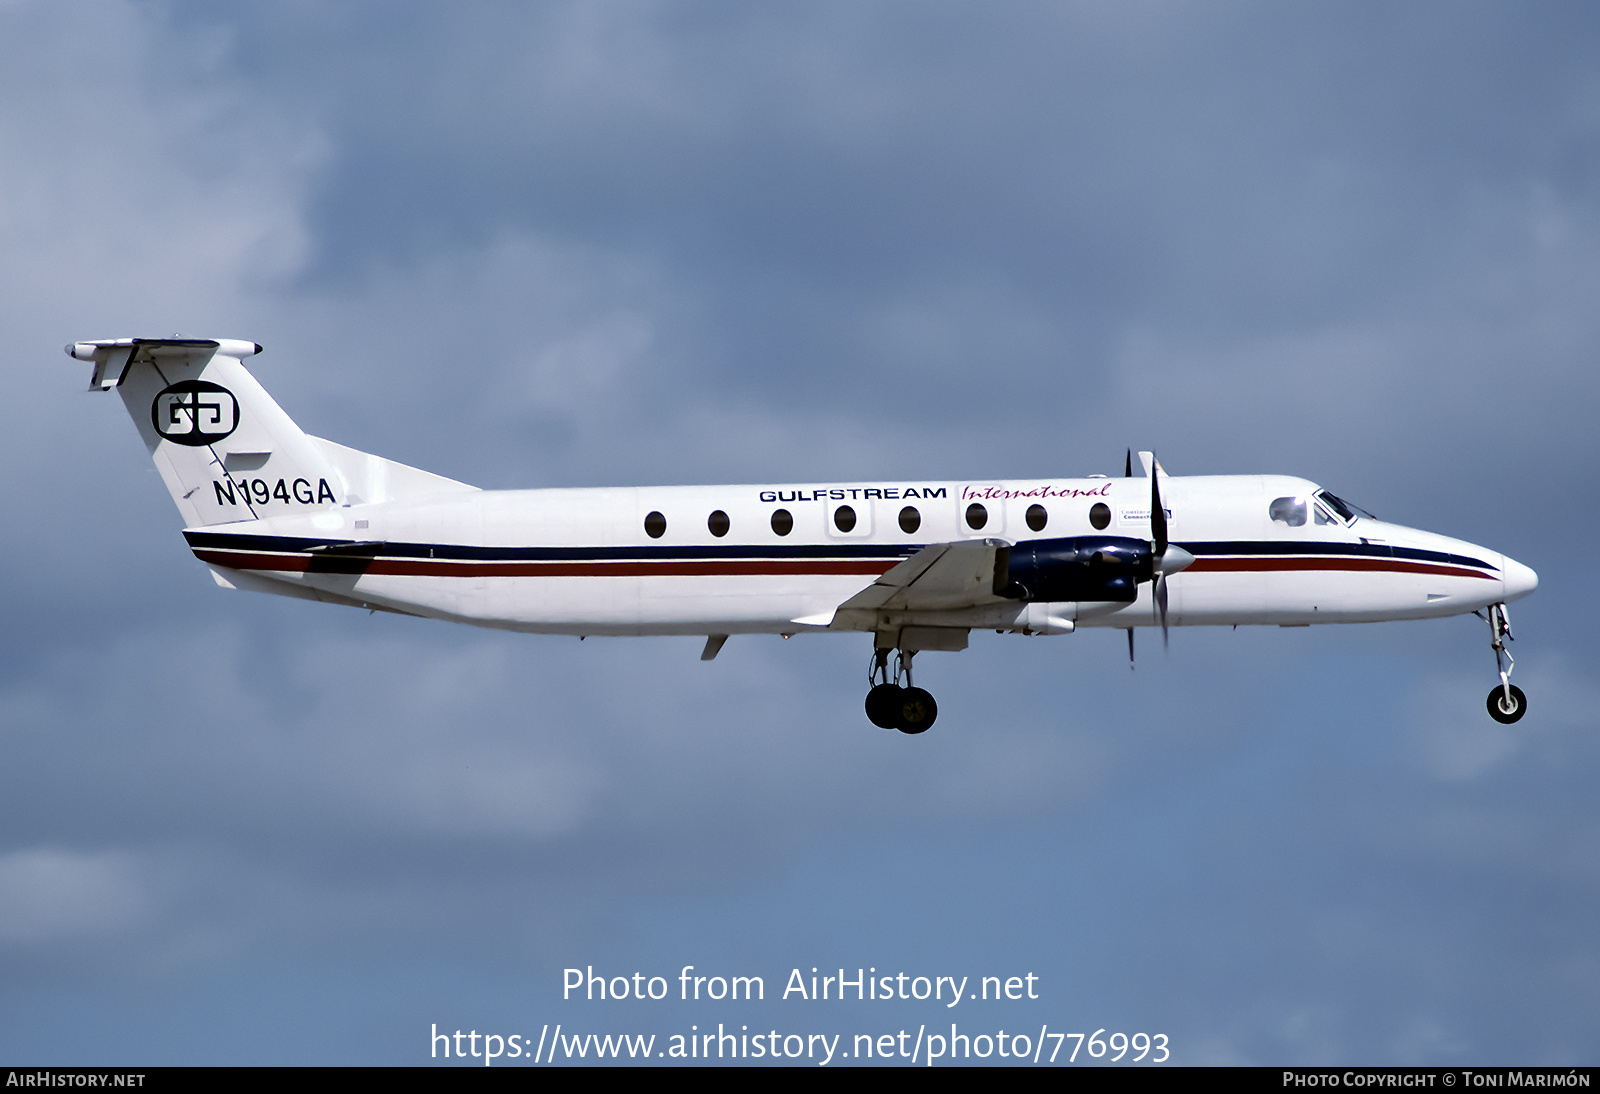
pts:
pixel 1506 703
pixel 891 706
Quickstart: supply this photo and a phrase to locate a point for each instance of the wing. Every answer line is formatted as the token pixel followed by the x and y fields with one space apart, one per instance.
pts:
pixel 939 577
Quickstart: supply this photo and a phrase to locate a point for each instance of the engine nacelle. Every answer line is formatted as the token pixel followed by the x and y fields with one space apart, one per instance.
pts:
pixel 1041 617
pixel 1099 568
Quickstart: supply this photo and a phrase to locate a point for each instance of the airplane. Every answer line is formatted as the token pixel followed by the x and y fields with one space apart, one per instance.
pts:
pixel 918 565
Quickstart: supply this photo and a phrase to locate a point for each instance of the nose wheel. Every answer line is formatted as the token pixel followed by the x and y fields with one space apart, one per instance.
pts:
pixel 891 705
pixel 1506 703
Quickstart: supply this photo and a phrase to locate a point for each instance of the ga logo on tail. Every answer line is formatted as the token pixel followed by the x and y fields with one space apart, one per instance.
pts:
pixel 195 412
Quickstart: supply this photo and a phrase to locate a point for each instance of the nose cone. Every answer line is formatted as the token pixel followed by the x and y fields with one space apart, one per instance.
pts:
pixel 1519 579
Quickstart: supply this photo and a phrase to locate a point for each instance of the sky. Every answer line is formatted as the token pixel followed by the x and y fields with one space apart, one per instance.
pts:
pixel 627 243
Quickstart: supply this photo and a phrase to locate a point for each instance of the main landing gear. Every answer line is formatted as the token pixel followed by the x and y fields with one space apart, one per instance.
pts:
pixel 891 706
pixel 1507 704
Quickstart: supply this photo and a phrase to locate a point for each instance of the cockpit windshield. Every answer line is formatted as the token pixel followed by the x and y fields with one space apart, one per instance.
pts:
pixel 1346 511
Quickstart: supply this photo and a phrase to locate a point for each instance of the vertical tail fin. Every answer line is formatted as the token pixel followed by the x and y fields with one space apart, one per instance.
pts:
pixel 225 449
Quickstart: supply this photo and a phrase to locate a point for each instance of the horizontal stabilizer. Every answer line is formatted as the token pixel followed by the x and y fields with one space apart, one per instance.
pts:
pixel 112 357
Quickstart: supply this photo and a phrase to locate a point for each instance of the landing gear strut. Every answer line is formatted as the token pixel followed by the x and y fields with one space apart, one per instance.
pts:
pixel 892 706
pixel 1507 704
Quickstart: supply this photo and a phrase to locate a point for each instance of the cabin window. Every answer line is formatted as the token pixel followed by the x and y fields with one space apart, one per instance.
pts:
pixel 844 518
pixel 977 516
pixel 1100 515
pixel 1292 511
pixel 655 525
pixel 910 519
pixel 782 521
pixel 1037 518
pixel 718 523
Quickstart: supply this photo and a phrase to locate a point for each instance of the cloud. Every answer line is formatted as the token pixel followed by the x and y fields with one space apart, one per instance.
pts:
pixel 136 192
pixel 50 895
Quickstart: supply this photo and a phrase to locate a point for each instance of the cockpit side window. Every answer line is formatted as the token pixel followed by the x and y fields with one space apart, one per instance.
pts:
pixel 1292 511
pixel 1346 511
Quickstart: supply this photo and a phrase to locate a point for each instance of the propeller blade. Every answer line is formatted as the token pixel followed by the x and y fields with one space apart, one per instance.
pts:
pixel 1161 608
pixel 1130 649
pixel 1127 468
pixel 1158 517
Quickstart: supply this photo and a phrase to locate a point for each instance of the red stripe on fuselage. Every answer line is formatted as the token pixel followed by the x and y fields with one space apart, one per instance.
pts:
pixel 1391 565
pixel 414 567
pixel 419 567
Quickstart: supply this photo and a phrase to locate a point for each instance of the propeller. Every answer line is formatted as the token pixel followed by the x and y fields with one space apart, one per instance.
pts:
pixel 1165 557
pixel 1127 473
pixel 1158 554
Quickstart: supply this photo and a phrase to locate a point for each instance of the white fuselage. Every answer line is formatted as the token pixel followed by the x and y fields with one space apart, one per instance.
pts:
pixel 919 565
pixel 581 561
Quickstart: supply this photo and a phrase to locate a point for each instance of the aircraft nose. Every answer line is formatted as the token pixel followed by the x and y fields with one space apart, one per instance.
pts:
pixel 1519 579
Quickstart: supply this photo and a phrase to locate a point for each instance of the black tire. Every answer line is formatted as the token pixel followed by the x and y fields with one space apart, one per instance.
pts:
pixel 883 706
pixel 917 711
pixel 1498 709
